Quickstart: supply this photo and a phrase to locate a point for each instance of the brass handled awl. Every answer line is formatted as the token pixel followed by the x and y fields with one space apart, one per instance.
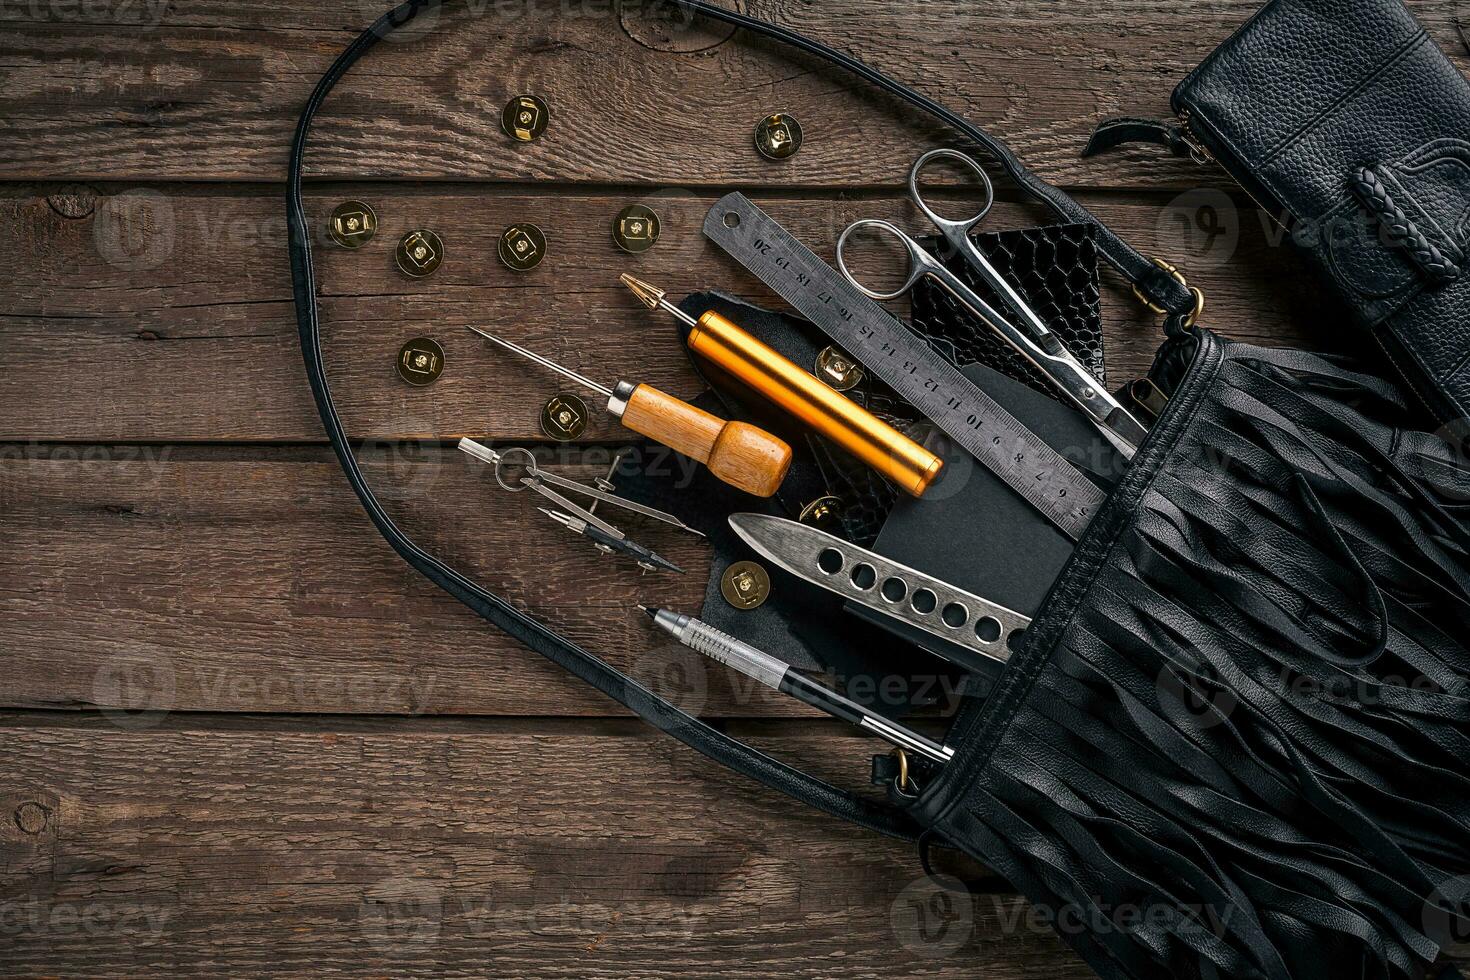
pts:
pixel 857 430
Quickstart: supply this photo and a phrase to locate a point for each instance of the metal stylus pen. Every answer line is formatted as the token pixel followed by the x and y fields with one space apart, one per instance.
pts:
pixel 724 648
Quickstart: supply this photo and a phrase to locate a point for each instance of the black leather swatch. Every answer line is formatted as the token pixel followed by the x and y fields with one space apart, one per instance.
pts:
pixel 1054 267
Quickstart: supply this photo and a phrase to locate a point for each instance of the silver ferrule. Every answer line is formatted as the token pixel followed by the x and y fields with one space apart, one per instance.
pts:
pixel 722 648
pixel 618 402
pixel 483 453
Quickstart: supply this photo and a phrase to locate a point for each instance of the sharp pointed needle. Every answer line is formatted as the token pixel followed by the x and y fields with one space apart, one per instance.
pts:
pixel 544 362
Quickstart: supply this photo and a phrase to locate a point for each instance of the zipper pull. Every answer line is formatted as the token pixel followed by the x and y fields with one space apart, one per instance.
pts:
pixel 1198 152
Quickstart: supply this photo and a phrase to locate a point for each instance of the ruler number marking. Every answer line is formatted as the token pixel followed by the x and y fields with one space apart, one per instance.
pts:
pixel 880 339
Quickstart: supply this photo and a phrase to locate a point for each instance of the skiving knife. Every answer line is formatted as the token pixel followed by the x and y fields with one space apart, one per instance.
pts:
pixel 895 590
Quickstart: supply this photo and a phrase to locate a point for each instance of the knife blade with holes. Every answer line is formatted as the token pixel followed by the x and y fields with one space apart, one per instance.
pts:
pixel 895 590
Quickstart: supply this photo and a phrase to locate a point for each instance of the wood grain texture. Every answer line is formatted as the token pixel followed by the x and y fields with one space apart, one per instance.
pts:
pixel 135 581
pixel 244 738
pixel 200 853
pixel 154 90
pixel 165 313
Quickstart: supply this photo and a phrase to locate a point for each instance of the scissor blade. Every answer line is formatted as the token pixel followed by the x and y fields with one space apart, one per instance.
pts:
pixel 1121 422
pixel 1067 374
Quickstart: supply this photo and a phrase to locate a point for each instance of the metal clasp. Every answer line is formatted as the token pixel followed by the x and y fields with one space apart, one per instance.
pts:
pixel 1173 271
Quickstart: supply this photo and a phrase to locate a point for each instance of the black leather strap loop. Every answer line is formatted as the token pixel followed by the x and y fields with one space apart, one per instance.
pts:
pixel 1400 230
pixel 1113 133
pixel 533 634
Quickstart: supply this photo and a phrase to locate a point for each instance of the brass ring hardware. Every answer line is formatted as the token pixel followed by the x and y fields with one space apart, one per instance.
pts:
pixel 904 784
pixel 1173 271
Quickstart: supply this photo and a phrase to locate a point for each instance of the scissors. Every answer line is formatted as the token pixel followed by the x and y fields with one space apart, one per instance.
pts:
pixel 1031 337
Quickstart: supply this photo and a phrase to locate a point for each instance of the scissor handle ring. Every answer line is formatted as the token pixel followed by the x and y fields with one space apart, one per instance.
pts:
pixel 504 460
pixel 915 253
pixel 945 153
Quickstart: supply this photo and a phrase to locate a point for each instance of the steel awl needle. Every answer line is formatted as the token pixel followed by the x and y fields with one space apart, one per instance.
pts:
pixel 736 452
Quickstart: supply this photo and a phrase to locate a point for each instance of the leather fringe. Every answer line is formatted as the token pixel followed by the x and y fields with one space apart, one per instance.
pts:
pixel 1247 756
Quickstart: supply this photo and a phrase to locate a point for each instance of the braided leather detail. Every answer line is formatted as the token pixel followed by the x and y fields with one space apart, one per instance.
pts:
pixel 1402 231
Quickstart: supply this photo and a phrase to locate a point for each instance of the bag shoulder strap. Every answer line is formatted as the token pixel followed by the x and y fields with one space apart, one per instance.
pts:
pixel 1157 284
pixel 1154 282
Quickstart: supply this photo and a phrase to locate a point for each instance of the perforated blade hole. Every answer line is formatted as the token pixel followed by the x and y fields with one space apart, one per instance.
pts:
pixel 987 629
pixel 894 589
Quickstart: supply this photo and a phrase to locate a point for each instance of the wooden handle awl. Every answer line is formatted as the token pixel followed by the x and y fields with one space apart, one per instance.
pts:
pixel 740 454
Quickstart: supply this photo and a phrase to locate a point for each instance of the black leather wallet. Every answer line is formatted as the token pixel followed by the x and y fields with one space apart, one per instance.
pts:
pixel 1346 122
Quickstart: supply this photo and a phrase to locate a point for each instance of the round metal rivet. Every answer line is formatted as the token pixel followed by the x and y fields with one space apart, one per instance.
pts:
pixel 778 136
pixel 745 585
pixel 823 513
pixel 524 118
pixel 522 246
pixel 352 224
pixel 838 370
pixel 421 361
pixel 636 228
pixel 419 253
pixel 564 417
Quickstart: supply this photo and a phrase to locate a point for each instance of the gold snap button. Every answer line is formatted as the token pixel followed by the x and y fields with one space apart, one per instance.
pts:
pixel 823 513
pixel 420 361
pixel 778 136
pixel 564 417
pixel 352 224
pixel 524 118
pixel 636 228
pixel 745 585
pixel 522 246
pixel 837 370
pixel 419 254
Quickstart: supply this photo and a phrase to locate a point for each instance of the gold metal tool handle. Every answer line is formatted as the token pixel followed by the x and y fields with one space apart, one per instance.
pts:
pixel 839 418
pixel 742 455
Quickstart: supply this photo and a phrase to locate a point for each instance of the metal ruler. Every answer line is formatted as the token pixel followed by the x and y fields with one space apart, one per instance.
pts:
pixel 974 420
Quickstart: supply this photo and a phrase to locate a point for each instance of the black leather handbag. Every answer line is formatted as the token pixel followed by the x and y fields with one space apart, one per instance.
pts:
pixel 1232 744
pixel 1345 121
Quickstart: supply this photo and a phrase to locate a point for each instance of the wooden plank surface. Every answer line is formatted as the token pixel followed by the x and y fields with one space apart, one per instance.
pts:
pixel 167 310
pixel 415 853
pixel 217 584
pixel 152 90
pixel 238 735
